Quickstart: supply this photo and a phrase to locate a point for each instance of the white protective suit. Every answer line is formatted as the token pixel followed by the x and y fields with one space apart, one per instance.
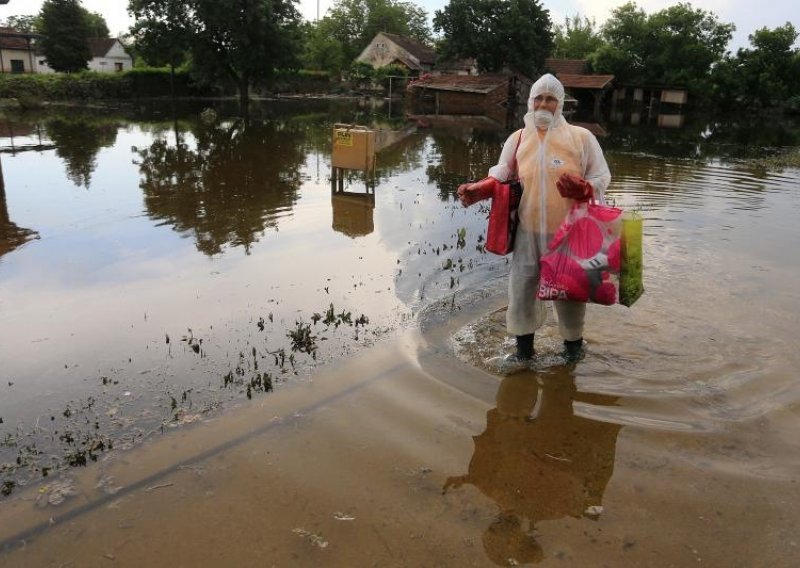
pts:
pixel 542 157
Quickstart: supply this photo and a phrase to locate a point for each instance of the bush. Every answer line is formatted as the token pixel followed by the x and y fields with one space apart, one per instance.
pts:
pixel 145 82
pixel 303 81
pixel 88 85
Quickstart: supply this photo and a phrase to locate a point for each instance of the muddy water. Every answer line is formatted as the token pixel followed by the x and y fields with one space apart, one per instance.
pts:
pixel 391 442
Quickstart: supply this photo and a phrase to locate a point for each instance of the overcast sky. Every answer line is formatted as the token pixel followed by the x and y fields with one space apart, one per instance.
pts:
pixel 747 15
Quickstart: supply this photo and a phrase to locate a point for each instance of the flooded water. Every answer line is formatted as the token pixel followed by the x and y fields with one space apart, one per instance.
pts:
pixel 259 367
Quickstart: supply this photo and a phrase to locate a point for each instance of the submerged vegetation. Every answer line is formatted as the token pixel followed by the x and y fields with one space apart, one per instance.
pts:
pixel 113 417
pixel 778 162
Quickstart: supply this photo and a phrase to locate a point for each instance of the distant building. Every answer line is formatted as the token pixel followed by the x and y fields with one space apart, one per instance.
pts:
pixel 467 66
pixel 108 56
pixel 494 95
pixel 17 52
pixel 390 49
pixel 578 82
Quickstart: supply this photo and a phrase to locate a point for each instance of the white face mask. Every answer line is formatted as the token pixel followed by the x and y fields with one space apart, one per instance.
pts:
pixel 543 118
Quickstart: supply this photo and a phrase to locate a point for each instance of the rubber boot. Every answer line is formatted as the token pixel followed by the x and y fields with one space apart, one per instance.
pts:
pixel 525 347
pixel 573 350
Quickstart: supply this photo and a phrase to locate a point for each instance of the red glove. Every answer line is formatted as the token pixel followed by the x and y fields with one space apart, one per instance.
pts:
pixel 469 193
pixel 574 187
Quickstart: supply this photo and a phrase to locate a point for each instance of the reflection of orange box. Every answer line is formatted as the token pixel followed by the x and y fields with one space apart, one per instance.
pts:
pixel 353 147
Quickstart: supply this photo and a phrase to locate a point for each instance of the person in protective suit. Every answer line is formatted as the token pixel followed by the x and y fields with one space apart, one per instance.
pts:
pixel 558 163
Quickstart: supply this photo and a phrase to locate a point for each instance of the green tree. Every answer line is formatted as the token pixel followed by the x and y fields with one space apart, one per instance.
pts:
pixel 627 38
pixel 678 45
pixel 687 43
pixel 243 41
pixel 321 48
pixel 246 40
pixel 497 33
pixel 26 24
pixel 163 32
pixel 65 33
pixel 768 73
pixel 577 38
pixel 97 24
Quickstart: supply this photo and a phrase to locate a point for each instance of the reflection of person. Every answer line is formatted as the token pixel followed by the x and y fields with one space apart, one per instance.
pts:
pixel 558 163
pixel 538 461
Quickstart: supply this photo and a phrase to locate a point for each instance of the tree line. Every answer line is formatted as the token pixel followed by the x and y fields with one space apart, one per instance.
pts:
pixel 245 42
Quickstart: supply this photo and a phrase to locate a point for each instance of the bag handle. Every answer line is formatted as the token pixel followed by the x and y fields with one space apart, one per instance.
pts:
pixel 519 141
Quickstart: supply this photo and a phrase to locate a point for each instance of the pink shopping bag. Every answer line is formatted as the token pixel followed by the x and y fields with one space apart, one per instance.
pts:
pixel 582 263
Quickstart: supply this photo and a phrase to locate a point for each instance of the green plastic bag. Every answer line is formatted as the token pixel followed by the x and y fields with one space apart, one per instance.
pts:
pixel 630 276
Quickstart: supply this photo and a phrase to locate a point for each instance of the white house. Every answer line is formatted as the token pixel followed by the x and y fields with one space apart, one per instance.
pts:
pixel 108 56
pixel 16 51
pixel 390 49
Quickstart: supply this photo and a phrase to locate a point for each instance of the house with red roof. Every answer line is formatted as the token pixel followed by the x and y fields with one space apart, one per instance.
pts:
pixel 17 52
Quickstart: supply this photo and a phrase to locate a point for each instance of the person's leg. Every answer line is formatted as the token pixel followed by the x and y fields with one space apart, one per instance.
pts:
pixel 571 317
pixel 525 313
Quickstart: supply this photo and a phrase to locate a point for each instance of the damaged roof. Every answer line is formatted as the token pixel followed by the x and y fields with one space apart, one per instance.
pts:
pixel 12 39
pixel 585 81
pixel 419 50
pixel 462 83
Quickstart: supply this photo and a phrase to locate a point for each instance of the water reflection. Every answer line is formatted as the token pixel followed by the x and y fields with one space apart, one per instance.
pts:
pixel 78 140
pixel 539 461
pixel 236 181
pixel 353 212
pixel 463 153
pixel 12 236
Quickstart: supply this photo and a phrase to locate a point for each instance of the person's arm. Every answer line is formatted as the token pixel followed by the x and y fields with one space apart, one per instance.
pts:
pixel 596 171
pixel 596 176
pixel 469 193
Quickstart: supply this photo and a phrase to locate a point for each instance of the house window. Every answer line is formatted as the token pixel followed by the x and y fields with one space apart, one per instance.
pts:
pixel 17 66
pixel 118 67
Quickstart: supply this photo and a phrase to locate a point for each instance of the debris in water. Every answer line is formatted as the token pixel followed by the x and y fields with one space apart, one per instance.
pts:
pixel 160 486
pixel 343 517
pixel 55 493
pixel 315 539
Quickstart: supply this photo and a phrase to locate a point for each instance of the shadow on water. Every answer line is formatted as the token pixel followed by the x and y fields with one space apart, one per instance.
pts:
pixel 539 461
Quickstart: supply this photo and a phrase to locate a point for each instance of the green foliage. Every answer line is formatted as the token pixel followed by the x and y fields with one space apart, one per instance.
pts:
pixel 303 81
pixel 353 23
pixel 381 74
pixel 88 85
pixel 156 82
pixel 497 33
pixel 239 41
pixel 66 30
pixel 26 24
pixel 322 51
pixel 96 23
pixel 577 38
pixel 361 75
pixel 163 32
pixel 675 46
pixel 767 74
pixel 62 87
